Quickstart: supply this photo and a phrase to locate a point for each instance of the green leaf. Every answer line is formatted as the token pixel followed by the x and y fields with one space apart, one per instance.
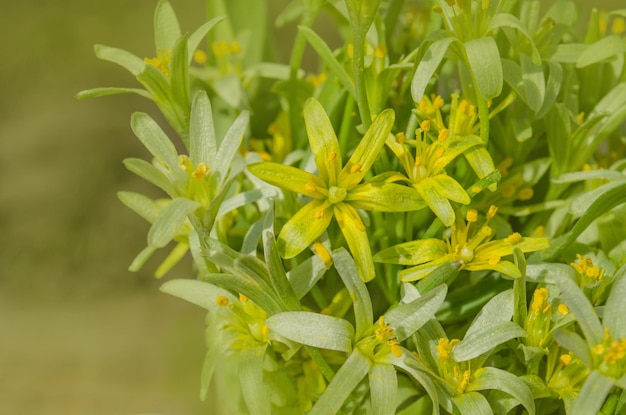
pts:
pixel 579 176
pixel 610 195
pixel 199 34
pixel 354 232
pixel 362 304
pixel 407 318
pixel 413 252
pixel 383 389
pixel 486 339
pixel 125 59
pixel 592 394
pixel 166 27
pixel 615 309
pixel 151 174
pixel 313 329
pixel 440 275
pixel 323 141
pixel 607 47
pixel 259 292
pixel 277 275
pixel 141 258
pixel 427 67
pixel 347 378
pixel 289 178
pixel 256 395
pixel 329 58
pixel 571 341
pixel 179 76
pixel 101 92
pixel 170 221
pixel 243 199
pixel 385 197
pixel 498 379
pixel 304 276
pixel 230 145
pixel 304 228
pixel 202 142
pixel 501 20
pixel 367 151
pixel 140 204
pixel 553 86
pixel 472 403
pixel 409 365
pixel 484 63
pixel 498 310
pixel 196 292
pixel 534 83
pixel 217 344
pixel 172 259
pixel 155 140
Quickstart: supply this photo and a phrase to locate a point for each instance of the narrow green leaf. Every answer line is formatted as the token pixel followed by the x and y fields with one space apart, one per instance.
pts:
pixel 246 198
pixel 141 258
pixel 216 345
pixel 155 140
pixel 125 59
pixel 166 27
pixel 440 275
pixel 611 194
pixel 501 20
pixel 172 259
pixel 101 92
pixel 472 403
pixel 304 276
pixel 409 365
pixel 354 232
pixel 260 294
pixel 170 221
pixel 179 75
pixel 151 174
pixel 202 142
pixel 615 309
pixel 498 379
pixel 553 86
pixel 498 310
pixel 196 292
pixel 483 59
pixel 140 204
pixel 592 394
pixel 329 58
pixel 256 394
pixel 427 67
pixel 486 339
pixel 607 47
pixel 277 274
pixel 362 304
pixel 347 378
pixel 230 145
pixel 534 83
pixel 313 329
pixel 367 151
pixel 406 319
pixel 385 197
pixel 196 37
pixel 571 341
pixel 383 389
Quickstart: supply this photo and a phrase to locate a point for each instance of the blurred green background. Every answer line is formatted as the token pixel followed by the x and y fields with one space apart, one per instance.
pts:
pixel 79 334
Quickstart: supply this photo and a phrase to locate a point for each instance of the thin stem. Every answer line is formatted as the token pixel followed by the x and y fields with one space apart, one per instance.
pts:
pixel 359 76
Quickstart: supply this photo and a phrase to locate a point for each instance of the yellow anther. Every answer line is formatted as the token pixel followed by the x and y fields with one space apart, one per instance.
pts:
pixel 494 260
pixel 486 231
pixel 359 225
pixel 265 330
pixel 201 171
pixel 450 2
pixel 221 301
pixel 350 50
pixel 379 52
pixel 439 152
pixel 492 211
pixel 319 214
pixel 183 162
pixel 565 359
pixel 444 348
pixel 539 231
pixel 400 138
pixel 437 9
pixel 619 25
pixel 476 189
pixel 443 134
pixel 243 298
pixel 161 61
pixel 396 350
pixel 580 117
pixel 265 156
pixel 540 300
pixel 513 238
pixel 355 168
pixel 423 105
pixel 425 125
pixel 418 161
pixel 220 48
pixel 587 167
pixel 463 106
pixel 309 187
pixel 471 215
pixel 331 156
pixel 563 309
pixel 199 56
pixel 525 194
pixel 598 349
pixel 438 102
pixel 321 251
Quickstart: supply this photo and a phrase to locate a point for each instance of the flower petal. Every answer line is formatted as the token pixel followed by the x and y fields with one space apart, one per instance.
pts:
pixel 385 197
pixel 304 228
pixel 453 147
pixel 421 271
pixel 429 191
pixel 413 253
pixel 450 189
pixel 481 162
pixel 289 178
pixel 353 230
pixel 502 248
pixel 368 150
pixel 504 267
pixel 323 141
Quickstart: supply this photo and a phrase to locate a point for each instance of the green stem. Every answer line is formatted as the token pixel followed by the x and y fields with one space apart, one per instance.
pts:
pixel 323 366
pixel 346 125
pixel 483 116
pixel 359 76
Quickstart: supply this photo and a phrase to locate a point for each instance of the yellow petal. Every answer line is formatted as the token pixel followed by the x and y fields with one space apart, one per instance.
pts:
pixel 450 189
pixel 385 197
pixel 429 191
pixel 304 228
pixel 323 141
pixel 289 178
pixel 413 253
pixel 353 230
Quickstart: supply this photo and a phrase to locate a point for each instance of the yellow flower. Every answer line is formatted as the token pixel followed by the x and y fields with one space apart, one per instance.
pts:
pixel 467 243
pixel 161 61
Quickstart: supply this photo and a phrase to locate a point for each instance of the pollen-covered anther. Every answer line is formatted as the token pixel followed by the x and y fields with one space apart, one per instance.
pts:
pixel 331 156
pixel 423 105
pixel 355 168
pixel 439 152
pixel 321 251
pixel 492 211
pixel 243 298
pixel 201 171
pixel 563 309
pixel 199 56
pixel 438 102
pixel 476 189
pixel 309 188
pixel 425 125
pixel 319 214
pixel 494 260
pixel 184 162
pixel 400 137
pixel 444 133
pixel 565 359
pixel 221 301
pixel 379 52
pixel 513 238
pixel 471 216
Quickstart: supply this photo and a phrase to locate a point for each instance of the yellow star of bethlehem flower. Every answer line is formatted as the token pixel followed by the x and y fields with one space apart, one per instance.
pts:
pixel 337 192
pixel 467 243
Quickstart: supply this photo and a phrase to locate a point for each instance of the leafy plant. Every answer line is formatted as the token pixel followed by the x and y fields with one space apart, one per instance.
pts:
pixel 505 201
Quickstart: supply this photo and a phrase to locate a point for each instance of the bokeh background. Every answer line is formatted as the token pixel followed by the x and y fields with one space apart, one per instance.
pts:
pixel 79 334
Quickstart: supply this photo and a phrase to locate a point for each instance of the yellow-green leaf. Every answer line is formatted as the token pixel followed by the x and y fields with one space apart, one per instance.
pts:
pixel 289 178
pixel 304 228
pixel 353 230
pixel 450 189
pixel 385 197
pixel 323 141
pixel 413 252
pixel 437 202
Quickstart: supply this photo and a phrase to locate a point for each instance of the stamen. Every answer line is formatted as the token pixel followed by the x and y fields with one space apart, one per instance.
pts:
pixel 221 301
pixel 331 156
